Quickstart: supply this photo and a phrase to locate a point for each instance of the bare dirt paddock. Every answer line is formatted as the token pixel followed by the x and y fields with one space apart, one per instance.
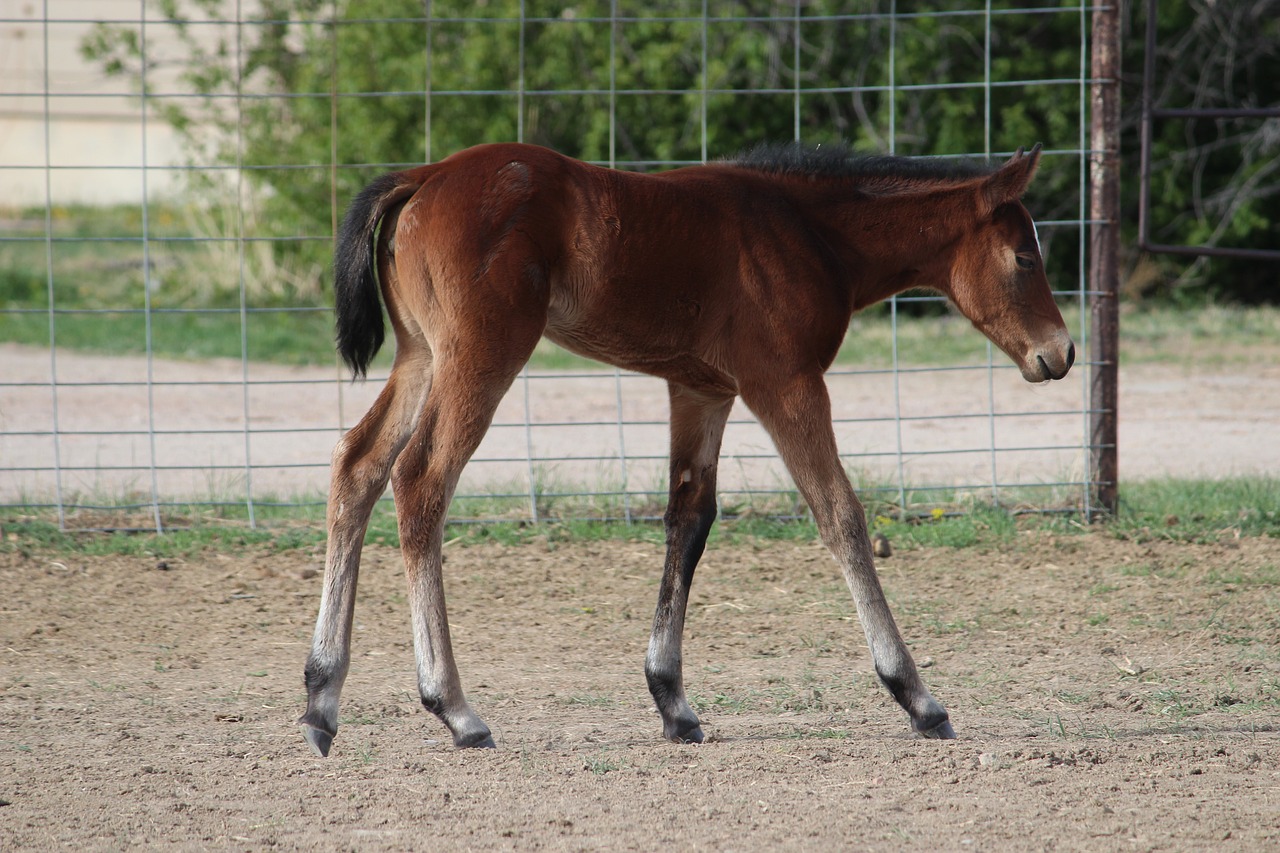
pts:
pixel 1108 695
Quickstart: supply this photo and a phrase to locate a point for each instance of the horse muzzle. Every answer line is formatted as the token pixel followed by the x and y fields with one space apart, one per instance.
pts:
pixel 1049 362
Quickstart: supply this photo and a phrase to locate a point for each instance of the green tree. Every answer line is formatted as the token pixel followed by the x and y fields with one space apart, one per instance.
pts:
pixel 314 97
pixel 1215 182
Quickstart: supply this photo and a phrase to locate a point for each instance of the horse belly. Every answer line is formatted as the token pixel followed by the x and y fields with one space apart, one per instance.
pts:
pixel 658 340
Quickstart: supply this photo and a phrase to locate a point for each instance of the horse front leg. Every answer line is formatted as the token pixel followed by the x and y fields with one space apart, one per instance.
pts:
pixel 798 418
pixel 697 426
pixel 361 467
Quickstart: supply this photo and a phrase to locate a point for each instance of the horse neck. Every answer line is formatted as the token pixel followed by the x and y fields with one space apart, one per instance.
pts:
pixel 893 242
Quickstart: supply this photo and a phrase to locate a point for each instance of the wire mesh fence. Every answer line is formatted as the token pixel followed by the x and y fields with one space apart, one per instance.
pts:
pixel 176 172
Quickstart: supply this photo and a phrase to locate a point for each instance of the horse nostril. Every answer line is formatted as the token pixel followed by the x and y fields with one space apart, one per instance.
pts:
pixel 1071 354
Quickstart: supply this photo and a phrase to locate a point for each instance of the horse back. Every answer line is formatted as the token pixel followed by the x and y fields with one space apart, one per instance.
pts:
pixel 683 274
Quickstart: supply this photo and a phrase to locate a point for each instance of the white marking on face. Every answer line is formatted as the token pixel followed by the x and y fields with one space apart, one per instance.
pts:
pixel 1010 259
pixel 1037 236
pixel 686 475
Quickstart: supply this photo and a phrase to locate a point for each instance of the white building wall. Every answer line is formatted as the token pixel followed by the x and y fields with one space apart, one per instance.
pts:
pixel 89 128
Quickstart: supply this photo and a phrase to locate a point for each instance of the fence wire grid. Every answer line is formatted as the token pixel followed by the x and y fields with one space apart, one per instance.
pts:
pixel 126 387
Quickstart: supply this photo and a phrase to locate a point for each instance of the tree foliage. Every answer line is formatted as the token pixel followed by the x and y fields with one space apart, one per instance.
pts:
pixel 1215 182
pixel 311 98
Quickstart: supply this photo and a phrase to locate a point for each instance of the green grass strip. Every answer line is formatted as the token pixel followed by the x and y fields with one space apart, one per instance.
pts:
pixel 1175 510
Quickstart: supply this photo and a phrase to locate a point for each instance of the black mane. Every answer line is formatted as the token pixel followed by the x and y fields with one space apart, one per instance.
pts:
pixel 838 161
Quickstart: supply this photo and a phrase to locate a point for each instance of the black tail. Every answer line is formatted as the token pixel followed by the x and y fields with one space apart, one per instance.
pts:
pixel 361 331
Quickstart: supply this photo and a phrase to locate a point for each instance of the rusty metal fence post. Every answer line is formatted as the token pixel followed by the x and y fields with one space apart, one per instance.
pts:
pixel 1104 246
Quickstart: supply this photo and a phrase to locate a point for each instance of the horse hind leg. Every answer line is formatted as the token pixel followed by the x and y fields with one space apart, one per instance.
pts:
pixel 361 466
pixel 697 426
pixel 465 392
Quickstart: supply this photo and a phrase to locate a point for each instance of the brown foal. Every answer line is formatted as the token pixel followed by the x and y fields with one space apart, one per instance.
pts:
pixel 735 278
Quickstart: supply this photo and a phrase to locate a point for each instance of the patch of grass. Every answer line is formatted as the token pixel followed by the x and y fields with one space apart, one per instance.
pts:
pixel 1176 705
pixel 1178 510
pixel 108 688
pixel 1198 510
pixel 553 533
pixel 808 694
pixel 733 531
pixel 978 524
pixel 940 627
pixel 603 763
pixel 1217 336
pixel 591 700
pixel 946 339
pixel 1079 727
pixel 189 272
pixel 301 336
pixel 1071 698
pixel 42 534
pixel 1139 570
pixel 1264 575
pixel 1156 623
pixel 724 702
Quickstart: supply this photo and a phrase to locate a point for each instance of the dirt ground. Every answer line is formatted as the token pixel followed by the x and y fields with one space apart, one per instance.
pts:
pixel 1108 695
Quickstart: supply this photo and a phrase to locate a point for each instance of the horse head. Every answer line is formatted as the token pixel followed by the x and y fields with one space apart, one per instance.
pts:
pixel 998 279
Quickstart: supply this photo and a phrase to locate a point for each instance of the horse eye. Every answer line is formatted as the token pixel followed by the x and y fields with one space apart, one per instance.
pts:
pixel 1026 262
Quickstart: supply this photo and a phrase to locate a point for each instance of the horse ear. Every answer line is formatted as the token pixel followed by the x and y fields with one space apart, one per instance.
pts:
pixel 1010 181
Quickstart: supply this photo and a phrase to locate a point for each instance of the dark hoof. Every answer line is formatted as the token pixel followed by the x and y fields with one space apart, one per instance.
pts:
pixel 318 739
pixel 694 735
pixel 475 740
pixel 683 731
pixel 940 731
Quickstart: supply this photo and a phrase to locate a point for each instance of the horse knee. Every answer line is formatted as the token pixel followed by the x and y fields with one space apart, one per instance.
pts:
pixel 355 472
